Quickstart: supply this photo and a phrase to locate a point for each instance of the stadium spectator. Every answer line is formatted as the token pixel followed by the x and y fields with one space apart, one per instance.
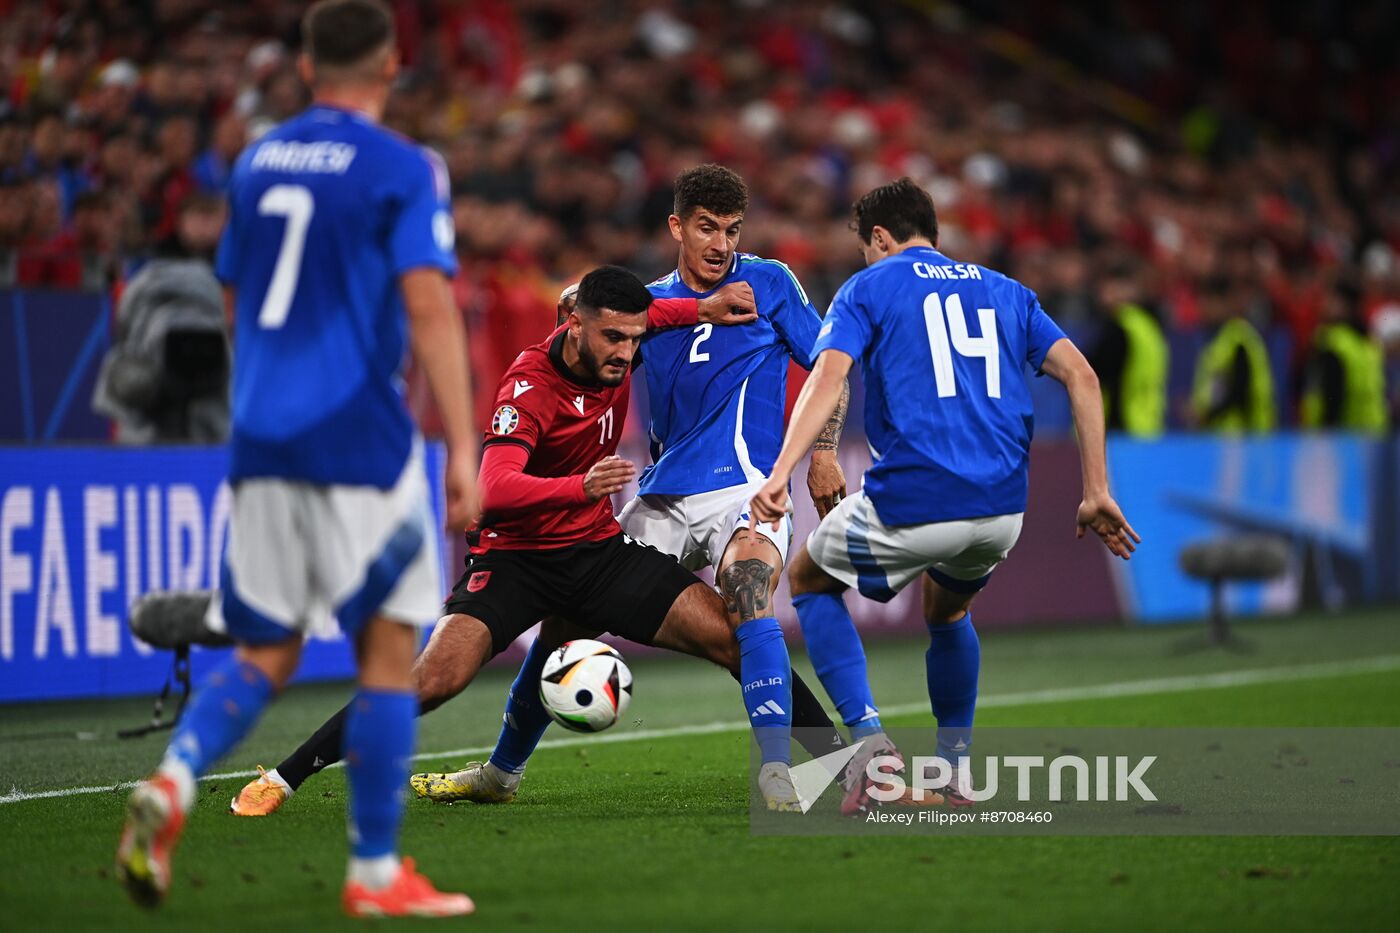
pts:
pixel 83 257
pixel 1131 358
pixel 14 222
pixel 1385 327
pixel 109 104
pixel 1344 379
pixel 1234 385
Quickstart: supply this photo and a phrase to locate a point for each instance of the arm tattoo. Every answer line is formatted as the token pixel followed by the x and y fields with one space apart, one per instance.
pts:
pixel 831 434
pixel 744 585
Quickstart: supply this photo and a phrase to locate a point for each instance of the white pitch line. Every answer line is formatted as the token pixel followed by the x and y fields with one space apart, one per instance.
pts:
pixel 1127 688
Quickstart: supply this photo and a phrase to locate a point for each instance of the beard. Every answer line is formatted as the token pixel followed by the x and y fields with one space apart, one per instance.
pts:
pixel 596 366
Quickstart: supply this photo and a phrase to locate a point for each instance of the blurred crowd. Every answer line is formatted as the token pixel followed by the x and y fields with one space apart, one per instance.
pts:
pixel 1204 166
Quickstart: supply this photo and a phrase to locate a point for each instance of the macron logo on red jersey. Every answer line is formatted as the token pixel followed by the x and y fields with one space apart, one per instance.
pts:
pixel 521 387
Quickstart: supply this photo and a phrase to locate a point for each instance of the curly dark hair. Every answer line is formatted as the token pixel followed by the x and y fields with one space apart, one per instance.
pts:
pixel 614 288
pixel 713 187
pixel 901 207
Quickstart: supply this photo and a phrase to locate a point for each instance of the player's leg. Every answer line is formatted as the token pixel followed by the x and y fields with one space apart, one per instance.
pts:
pixel 522 726
pixel 525 719
pixel 440 672
pixel 444 668
pixel 833 644
pixel 379 733
pixel 851 547
pixel 953 659
pixel 502 594
pixel 376 567
pixel 953 662
pixel 747 576
pixel 697 629
pixel 231 698
pixel 709 530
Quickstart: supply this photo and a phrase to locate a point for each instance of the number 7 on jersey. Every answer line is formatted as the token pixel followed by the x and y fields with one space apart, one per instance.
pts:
pixel 295 203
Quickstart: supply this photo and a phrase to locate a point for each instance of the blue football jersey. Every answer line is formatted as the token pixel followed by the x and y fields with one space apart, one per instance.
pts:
pixel 717 393
pixel 326 212
pixel 942 347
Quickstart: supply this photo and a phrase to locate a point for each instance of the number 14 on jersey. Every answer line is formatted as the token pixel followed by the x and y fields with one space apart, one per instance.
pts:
pixel 947 331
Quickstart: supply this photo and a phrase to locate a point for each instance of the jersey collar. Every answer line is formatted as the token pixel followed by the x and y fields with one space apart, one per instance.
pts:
pixel 733 268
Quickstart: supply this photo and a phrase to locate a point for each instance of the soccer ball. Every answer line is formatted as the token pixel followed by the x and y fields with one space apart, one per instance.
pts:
pixel 585 686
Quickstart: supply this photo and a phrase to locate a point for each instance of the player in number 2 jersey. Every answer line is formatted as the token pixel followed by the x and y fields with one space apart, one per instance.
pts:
pixel 338 235
pixel 716 424
pixel 942 347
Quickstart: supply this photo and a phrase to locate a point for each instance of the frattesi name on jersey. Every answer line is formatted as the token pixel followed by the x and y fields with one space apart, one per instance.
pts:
pixel 325 158
pixel 956 271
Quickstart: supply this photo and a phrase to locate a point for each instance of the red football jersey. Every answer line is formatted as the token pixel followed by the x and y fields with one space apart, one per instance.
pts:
pixel 567 425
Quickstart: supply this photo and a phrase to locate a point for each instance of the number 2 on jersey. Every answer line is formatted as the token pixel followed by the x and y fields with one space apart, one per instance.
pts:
pixel 295 203
pixel 948 321
pixel 702 334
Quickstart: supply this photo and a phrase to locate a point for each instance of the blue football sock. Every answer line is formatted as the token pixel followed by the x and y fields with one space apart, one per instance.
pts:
pixel 839 659
pixel 525 720
pixel 222 712
pixel 953 658
pixel 766 676
pixel 379 731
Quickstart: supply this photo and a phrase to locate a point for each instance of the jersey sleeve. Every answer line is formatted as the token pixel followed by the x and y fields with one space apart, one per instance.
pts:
pixel 1041 332
pixel 673 312
pixel 422 233
pixel 847 326
pixel 226 258
pixel 793 316
pixel 507 490
pixel 524 409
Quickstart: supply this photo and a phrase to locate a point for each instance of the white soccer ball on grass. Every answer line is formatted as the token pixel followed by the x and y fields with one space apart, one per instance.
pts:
pixel 585 685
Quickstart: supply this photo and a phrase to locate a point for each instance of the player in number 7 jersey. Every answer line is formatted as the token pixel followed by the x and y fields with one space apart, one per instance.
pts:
pixel 339 238
pixel 943 347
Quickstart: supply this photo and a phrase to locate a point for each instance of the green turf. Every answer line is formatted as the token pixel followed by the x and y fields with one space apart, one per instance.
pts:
pixel 653 834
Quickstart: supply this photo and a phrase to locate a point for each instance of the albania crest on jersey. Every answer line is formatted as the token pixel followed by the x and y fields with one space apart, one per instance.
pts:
pixel 506 420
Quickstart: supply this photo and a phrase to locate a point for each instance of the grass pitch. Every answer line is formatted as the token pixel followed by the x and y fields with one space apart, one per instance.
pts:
pixel 649 829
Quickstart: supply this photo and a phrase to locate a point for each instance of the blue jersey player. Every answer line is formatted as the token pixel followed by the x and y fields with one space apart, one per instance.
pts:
pixel 717 402
pixel 942 347
pixel 338 232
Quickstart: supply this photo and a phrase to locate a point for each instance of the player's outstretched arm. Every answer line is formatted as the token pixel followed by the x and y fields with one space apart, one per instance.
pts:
pixel 1098 512
pixel 815 406
pixel 440 346
pixel 732 304
pixel 826 481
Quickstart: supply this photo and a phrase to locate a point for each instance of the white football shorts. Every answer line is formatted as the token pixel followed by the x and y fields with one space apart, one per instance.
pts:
pixel 855 547
pixel 303 557
pixel 696 529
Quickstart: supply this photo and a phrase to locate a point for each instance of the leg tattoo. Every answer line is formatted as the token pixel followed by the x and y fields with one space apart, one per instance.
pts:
pixel 745 585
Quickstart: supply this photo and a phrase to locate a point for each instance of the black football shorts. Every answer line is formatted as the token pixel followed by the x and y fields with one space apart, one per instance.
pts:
pixel 615 585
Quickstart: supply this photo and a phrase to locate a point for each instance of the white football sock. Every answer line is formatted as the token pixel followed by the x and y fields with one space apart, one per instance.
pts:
pixel 179 772
pixel 505 779
pixel 374 873
pixel 277 779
